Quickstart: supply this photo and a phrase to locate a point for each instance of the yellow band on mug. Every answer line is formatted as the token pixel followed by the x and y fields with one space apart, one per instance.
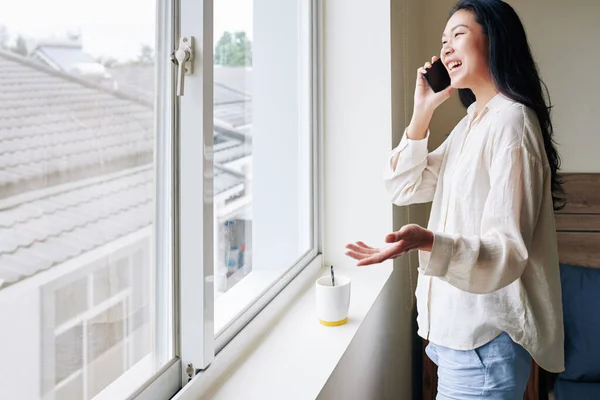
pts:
pixel 334 323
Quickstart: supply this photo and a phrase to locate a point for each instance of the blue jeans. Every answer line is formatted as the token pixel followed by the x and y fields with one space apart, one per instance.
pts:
pixel 498 370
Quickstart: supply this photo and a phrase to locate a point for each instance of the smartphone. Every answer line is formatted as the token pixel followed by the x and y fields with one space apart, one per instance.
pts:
pixel 437 76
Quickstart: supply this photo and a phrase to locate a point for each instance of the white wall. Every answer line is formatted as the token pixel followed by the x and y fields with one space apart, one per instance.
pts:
pixel 20 341
pixel 358 124
pixel 564 38
pixel 363 112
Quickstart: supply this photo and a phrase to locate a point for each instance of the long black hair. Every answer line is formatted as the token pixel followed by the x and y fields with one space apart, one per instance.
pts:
pixel 515 73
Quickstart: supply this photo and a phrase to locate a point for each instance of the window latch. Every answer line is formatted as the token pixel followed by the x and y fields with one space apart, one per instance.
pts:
pixel 183 57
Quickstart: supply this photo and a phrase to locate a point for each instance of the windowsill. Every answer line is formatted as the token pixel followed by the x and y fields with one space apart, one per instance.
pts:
pixel 232 303
pixel 291 355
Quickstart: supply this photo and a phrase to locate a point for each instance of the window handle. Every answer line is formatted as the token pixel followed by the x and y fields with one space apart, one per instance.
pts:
pixel 184 56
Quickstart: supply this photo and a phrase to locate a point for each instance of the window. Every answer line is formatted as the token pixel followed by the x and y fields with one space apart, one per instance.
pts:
pixel 263 159
pixel 78 134
pixel 142 228
pixel 96 324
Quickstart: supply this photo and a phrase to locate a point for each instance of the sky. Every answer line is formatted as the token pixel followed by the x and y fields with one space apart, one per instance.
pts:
pixel 109 28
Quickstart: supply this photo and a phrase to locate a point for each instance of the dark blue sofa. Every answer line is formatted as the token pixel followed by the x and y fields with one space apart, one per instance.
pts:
pixel 581 310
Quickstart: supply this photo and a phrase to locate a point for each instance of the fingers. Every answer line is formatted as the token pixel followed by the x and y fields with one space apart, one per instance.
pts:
pixel 423 70
pixel 393 237
pixel 355 255
pixel 386 254
pixel 406 232
pixel 421 82
pixel 363 245
pixel 428 64
pixel 361 249
pixel 369 261
pixel 359 246
pixel 367 255
pixel 359 255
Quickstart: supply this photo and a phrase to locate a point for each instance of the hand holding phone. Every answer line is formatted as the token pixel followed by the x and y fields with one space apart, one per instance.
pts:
pixel 431 90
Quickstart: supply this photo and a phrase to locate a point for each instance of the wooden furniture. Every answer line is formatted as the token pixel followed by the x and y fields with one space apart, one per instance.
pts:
pixel 578 236
pixel 578 224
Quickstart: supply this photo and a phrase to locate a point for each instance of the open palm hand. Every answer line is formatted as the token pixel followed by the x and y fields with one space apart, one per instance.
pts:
pixel 409 237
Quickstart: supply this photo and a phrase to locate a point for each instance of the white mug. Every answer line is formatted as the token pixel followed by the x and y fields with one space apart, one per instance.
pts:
pixel 333 302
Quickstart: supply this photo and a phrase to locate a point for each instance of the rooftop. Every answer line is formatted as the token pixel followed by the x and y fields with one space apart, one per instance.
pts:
pixel 76 166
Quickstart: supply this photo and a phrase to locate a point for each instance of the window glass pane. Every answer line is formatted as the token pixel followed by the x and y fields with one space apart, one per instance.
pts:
pixel 140 281
pixel 139 337
pixel 70 301
pixel 262 139
pixel 69 353
pixel 106 369
pixel 111 280
pixel 78 132
pixel 105 331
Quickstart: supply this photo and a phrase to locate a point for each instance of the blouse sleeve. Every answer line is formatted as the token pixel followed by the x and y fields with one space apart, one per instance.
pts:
pixel 499 254
pixel 411 172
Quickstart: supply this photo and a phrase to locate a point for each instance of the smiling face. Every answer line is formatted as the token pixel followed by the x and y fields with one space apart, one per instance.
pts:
pixel 465 51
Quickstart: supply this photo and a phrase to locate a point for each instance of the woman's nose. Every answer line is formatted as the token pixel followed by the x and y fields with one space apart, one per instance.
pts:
pixel 447 50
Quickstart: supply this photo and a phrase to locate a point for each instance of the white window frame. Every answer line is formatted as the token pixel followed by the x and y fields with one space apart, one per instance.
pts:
pixel 187 190
pixel 167 381
pixel 194 238
pixel 315 124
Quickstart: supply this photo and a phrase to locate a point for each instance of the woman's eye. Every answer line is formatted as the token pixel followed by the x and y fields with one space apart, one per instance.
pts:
pixel 457 34
pixel 444 42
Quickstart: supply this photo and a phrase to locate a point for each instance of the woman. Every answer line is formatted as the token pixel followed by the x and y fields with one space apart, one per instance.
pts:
pixel 488 292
